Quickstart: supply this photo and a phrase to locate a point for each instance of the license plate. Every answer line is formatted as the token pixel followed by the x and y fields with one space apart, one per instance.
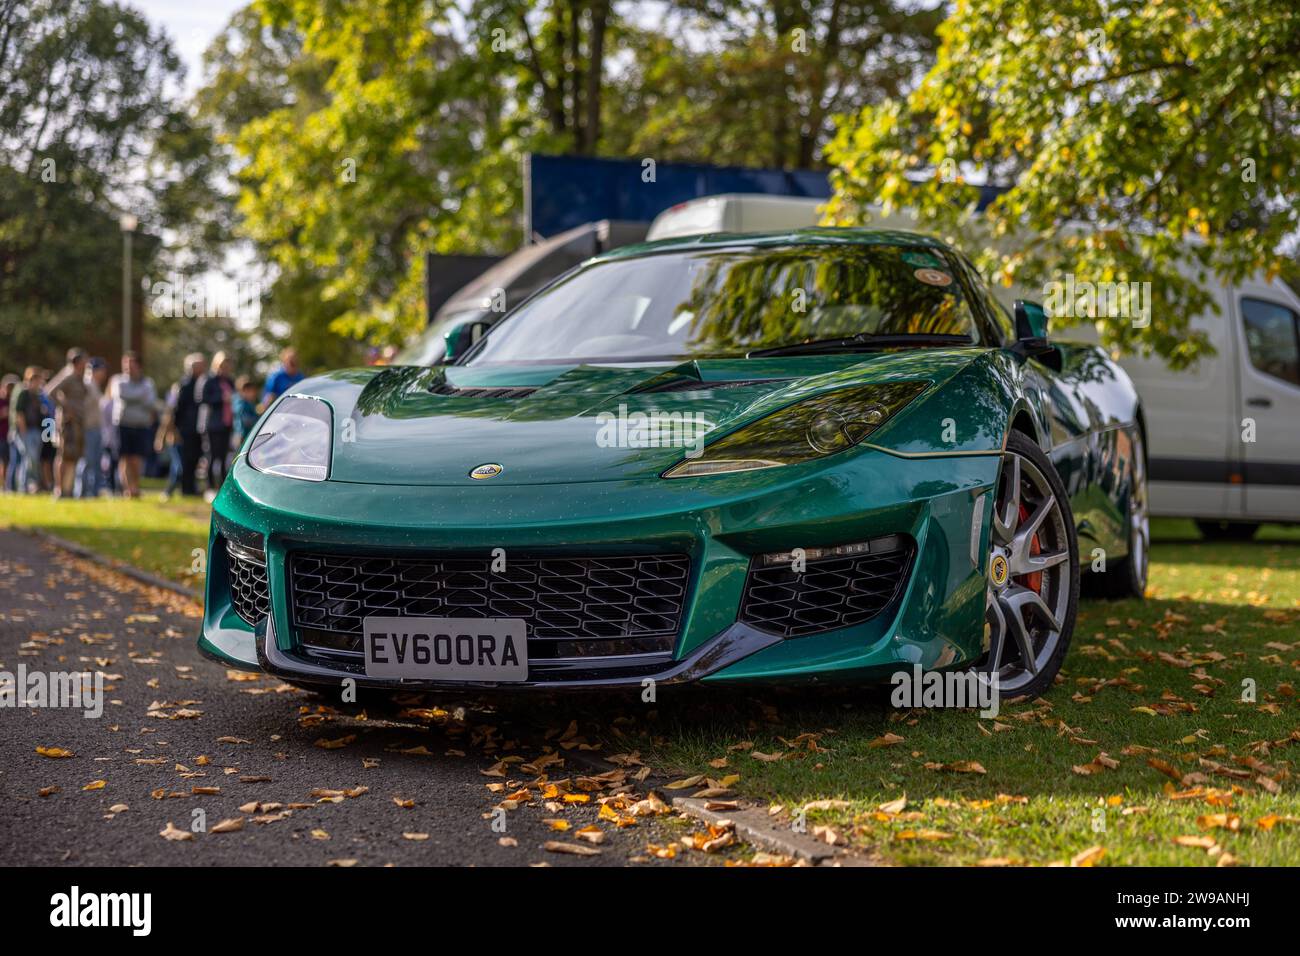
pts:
pixel 447 648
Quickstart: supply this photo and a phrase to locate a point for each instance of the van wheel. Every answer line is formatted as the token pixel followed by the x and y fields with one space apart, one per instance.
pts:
pixel 1127 578
pixel 1227 530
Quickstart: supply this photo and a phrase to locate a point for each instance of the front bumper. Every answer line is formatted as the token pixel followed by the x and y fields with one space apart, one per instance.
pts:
pixel 721 522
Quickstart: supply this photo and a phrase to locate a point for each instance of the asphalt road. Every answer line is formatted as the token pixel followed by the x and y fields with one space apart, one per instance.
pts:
pixel 182 739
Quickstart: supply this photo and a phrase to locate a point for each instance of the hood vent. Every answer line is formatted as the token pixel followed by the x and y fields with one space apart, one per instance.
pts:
pixel 504 391
pixel 699 385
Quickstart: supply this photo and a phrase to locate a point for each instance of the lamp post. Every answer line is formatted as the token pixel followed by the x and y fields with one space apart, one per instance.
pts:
pixel 128 224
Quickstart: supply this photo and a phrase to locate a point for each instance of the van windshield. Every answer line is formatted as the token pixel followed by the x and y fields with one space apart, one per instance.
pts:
pixel 731 301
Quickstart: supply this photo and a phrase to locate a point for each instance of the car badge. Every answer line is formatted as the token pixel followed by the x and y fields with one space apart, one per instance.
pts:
pixel 482 472
pixel 1000 570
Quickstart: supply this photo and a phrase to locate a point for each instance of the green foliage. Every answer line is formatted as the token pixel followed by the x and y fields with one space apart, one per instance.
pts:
pixel 82 84
pixel 757 83
pixel 364 136
pixel 1168 129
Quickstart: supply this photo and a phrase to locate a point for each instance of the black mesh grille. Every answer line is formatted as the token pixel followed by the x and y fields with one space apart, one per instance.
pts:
pixel 249 594
pixel 832 592
pixel 574 607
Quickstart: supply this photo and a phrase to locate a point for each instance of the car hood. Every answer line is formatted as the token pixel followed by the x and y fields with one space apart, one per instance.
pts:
pixel 407 425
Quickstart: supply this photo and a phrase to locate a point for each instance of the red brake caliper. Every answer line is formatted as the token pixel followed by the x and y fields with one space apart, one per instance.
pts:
pixel 1033 580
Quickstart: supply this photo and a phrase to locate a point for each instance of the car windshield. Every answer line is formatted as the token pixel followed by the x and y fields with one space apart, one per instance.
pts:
pixel 731 301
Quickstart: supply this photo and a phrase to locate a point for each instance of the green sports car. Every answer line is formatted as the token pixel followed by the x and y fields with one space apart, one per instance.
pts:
pixel 823 454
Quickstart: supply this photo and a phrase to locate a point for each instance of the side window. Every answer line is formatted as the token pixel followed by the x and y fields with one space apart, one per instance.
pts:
pixel 1003 324
pixel 1271 338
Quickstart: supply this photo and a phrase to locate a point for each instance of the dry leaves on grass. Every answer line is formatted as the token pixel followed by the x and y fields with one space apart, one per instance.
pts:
pixel 1102 761
pixel 1271 820
pixel 1215 821
pixel 929 835
pixel 959 766
pixel 1089 857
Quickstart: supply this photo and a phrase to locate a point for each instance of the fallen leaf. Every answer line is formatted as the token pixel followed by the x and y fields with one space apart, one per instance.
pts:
pixel 1089 857
pixel 574 849
pixel 171 832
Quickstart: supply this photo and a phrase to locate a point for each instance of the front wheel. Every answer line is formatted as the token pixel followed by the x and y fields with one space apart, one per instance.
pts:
pixel 1033 573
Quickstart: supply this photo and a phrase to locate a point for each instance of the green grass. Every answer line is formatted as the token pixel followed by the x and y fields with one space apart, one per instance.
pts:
pixel 153 535
pixel 1030 806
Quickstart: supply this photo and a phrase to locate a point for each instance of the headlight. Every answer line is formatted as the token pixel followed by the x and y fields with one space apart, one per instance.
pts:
pixel 295 440
pixel 814 428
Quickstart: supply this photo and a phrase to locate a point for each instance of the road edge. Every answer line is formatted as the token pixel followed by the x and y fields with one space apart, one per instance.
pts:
pixel 757 827
pixel 121 567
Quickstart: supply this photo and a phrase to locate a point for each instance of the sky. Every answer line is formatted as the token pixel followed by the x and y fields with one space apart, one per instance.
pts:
pixel 191 24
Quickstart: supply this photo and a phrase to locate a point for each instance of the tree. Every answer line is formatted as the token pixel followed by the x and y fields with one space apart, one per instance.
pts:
pixel 757 82
pixel 83 90
pixel 1170 130
pixel 555 51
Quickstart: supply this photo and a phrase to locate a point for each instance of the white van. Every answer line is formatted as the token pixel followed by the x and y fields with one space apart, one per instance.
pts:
pixel 1223 438
pixel 735 212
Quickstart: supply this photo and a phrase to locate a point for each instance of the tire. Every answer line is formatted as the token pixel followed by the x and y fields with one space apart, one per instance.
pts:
pixel 1127 577
pixel 1032 589
pixel 1227 530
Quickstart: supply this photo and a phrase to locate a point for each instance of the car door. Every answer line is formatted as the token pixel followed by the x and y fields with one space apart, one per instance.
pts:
pixel 1268 326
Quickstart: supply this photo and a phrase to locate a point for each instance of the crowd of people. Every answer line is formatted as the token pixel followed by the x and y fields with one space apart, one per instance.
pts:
pixel 81 432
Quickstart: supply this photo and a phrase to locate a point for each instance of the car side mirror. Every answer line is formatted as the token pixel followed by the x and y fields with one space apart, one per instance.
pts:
pixel 1031 329
pixel 461 336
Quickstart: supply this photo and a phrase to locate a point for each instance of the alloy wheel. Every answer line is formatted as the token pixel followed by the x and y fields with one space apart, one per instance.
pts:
pixel 1028 575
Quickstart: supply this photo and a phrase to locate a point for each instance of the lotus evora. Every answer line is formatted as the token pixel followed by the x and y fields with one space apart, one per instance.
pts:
pixel 823 454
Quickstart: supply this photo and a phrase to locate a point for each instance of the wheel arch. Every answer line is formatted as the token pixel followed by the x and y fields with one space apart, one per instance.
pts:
pixel 1022 420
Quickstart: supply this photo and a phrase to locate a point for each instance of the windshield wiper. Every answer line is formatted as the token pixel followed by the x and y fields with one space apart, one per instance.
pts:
pixel 863 342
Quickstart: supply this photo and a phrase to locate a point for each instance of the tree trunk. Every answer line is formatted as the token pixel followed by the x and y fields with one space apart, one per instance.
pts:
pixel 595 76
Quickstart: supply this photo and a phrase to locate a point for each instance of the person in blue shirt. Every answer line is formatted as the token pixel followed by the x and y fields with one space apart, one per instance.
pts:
pixel 246 414
pixel 282 379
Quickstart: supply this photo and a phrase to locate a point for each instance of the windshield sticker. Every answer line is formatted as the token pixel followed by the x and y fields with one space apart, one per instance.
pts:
pixel 922 260
pixel 933 277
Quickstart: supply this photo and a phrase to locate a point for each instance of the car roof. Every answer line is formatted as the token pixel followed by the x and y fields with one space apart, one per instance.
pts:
pixel 813 235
